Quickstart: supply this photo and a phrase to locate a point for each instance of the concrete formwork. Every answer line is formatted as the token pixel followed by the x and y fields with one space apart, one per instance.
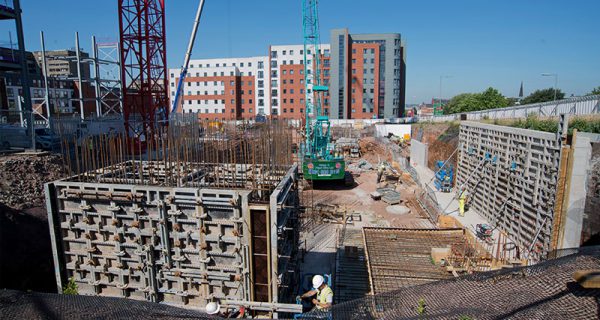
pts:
pixel 179 245
pixel 512 177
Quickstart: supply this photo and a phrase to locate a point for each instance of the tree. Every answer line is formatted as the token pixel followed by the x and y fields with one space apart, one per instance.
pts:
pixel 465 102
pixel 594 91
pixel 491 99
pixel 543 95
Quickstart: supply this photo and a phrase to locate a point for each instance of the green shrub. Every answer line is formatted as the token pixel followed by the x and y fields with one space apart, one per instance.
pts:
pixel 71 287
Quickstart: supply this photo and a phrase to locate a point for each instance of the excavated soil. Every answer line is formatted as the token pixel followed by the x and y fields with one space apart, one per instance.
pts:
pixel 442 139
pixel 22 179
pixel 25 249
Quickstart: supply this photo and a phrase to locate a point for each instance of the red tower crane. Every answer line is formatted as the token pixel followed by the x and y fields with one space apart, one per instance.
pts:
pixel 144 65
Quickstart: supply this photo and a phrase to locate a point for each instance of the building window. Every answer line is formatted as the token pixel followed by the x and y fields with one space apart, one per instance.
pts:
pixel 273 83
pixel 291 71
pixel 241 64
pixel 260 65
pixel 291 52
pixel 291 100
pixel 291 90
pixel 353 71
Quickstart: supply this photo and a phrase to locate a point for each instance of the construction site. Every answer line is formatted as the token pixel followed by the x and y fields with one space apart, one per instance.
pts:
pixel 143 210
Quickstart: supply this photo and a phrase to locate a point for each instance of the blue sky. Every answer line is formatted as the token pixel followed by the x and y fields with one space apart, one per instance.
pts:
pixel 478 43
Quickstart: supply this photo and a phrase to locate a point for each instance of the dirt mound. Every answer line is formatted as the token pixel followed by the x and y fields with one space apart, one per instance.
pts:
pixel 373 151
pixel 22 179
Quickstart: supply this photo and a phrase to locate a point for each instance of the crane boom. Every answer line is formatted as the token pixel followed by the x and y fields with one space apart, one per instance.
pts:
pixel 186 61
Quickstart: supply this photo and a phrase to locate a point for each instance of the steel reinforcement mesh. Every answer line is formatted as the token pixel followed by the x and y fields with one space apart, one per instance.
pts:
pixel 543 291
pixel 24 305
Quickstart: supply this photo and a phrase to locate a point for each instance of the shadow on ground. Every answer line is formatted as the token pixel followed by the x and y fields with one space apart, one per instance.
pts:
pixel 25 250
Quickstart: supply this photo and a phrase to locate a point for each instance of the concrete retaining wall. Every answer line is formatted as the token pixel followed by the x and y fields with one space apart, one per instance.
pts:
pixel 419 153
pixel 578 192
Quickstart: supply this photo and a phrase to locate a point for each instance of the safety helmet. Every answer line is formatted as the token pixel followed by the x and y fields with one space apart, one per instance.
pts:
pixel 317 281
pixel 213 308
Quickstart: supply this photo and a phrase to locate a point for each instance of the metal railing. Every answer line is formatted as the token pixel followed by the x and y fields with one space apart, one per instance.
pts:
pixel 576 106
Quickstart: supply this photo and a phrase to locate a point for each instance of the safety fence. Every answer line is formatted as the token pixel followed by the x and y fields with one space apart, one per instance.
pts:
pixel 587 105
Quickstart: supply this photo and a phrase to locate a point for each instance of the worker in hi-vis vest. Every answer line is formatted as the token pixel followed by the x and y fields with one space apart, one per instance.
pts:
pixel 324 298
pixel 461 202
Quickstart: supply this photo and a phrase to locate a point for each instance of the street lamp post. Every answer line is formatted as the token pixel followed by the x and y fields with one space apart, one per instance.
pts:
pixel 555 75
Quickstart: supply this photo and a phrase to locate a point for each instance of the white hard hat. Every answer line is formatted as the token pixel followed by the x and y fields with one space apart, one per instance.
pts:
pixel 213 308
pixel 317 281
